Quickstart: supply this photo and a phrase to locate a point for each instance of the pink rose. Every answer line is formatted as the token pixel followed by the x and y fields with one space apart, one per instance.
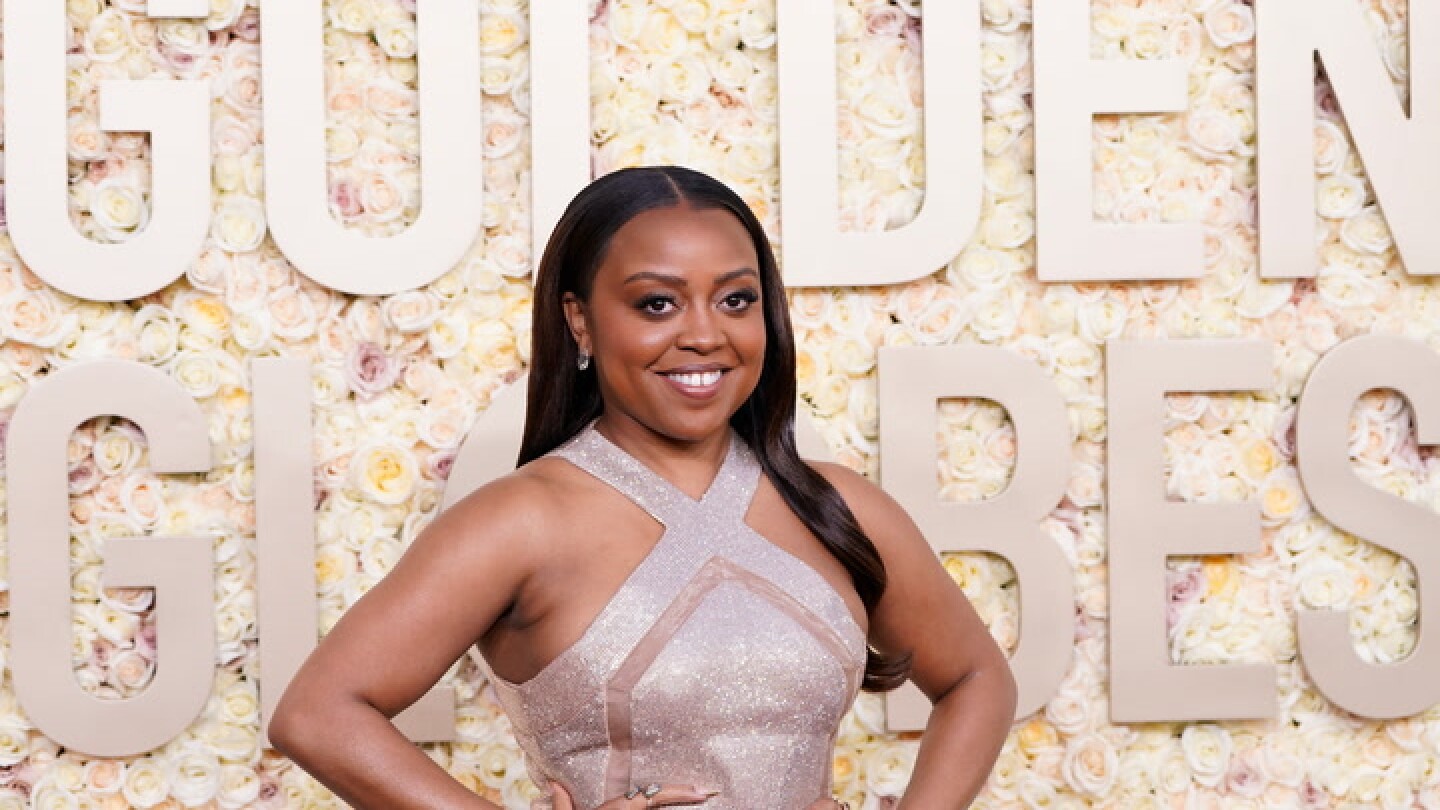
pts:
pixel 247 27
pixel 885 21
pixel 344 201
pixel 438 465
pixel 83 477
pixel 1184 588
pixel 369 370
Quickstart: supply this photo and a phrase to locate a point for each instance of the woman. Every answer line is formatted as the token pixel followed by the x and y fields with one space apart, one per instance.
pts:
pixel 676 609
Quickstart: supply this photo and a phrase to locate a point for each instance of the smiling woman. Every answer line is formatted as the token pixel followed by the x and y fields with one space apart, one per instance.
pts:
pixel 676 609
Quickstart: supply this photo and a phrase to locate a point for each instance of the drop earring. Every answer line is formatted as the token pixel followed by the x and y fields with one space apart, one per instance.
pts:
pixel 583 361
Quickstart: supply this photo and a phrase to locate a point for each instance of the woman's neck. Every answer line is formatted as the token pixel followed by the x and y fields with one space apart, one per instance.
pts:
pixel 691 464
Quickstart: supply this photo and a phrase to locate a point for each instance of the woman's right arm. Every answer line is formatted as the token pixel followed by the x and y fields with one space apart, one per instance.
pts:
pixel 459 574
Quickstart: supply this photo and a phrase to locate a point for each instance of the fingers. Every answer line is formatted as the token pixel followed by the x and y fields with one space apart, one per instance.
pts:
pixel 666 796
pixel 559 797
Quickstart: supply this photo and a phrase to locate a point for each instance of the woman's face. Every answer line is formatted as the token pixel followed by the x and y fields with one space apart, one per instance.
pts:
pixel 674 322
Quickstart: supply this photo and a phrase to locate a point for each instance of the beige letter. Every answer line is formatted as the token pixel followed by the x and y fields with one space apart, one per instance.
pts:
pixel 175 113
pixel 559 114
pixel 1399 151
pixel 285 528
pixel 295 166
pixel 1070 88
pixel 912 379
pixel 1410 686
pixel 1146 528
pixel 179 568
pixel 813 251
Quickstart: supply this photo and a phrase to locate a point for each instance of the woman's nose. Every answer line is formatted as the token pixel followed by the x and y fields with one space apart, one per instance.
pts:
pixel 700 330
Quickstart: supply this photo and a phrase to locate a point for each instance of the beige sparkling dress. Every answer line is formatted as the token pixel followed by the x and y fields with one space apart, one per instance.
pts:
pixel 722 661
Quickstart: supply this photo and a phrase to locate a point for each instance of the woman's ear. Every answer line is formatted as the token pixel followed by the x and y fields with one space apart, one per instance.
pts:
pixel 575 317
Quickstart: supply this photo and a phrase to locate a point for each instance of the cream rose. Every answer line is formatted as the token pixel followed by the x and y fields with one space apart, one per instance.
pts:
pixel 1090 764
pixel 239 223
pixel 501 33
pixel 238 787
pixel 396 36
pixel 194 775
pixel 146 784
pixel 383 472
pixel 1207 750
pixel 1230 23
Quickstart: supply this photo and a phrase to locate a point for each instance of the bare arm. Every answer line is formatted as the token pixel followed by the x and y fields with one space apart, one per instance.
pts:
pixel 396 642
pixel 955 662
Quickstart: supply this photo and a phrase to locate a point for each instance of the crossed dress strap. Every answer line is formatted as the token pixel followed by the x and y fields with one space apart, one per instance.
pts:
pixel 727 497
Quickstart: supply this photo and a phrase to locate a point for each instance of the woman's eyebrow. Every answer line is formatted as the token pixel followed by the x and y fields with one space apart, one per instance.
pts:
pixel 681 282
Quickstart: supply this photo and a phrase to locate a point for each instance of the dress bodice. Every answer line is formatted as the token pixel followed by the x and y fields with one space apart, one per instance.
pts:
pixel 722 661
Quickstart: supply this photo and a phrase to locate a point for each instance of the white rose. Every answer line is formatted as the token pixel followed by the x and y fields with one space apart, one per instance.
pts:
pixel 443 428
pixel 108 37
pixel 411 311
pixel 1339 196
pixel 85 140
pixel 1076 358
pixel 1207 751
pixel 1230 23
pixel 239 223
pixel 731 68
pixel 887 768
pixel 354 16
pixel 501 33
pixel 995 314
pixel 239 786
pixel 194 775
pixel 197 372
pixel 684 79
pixel 498 75
pixel 1008 225
pixel 131 671
pixel 145 783
pixel 118 208
pixel 292 313
pixel 1069 710
pixel 1367 231
pixel 1212 132
pixel 251 330
pixel 1331 147
pixel 1090 764
pixel 383 195
pixel 757 27
pixel 504 133
pixel 395 34
pixel 53 797
pixel 334 566
pixel 14 742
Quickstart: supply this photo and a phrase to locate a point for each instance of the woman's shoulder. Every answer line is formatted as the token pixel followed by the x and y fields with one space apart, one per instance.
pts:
pixel 857 490
pixel 522 503
pixel 880 516
pixel 517 513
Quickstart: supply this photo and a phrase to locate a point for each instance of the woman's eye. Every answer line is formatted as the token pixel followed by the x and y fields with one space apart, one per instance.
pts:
pixel 741 299
pixel 655 304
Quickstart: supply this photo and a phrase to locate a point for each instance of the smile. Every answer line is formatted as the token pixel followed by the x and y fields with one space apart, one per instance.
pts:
pixel 695 383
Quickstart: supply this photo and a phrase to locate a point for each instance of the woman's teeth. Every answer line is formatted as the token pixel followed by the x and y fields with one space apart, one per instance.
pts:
pixel 696 380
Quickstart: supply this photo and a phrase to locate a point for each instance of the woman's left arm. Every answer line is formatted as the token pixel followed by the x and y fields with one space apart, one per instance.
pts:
pixel 955 662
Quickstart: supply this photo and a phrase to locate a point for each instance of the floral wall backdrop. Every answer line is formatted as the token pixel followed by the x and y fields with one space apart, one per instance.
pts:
pixel 399 379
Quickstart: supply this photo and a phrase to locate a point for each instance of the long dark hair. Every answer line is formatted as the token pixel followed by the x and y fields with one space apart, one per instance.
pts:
pixel 562 399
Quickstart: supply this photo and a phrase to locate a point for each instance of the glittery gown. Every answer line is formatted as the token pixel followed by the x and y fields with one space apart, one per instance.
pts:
pixel 722 661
